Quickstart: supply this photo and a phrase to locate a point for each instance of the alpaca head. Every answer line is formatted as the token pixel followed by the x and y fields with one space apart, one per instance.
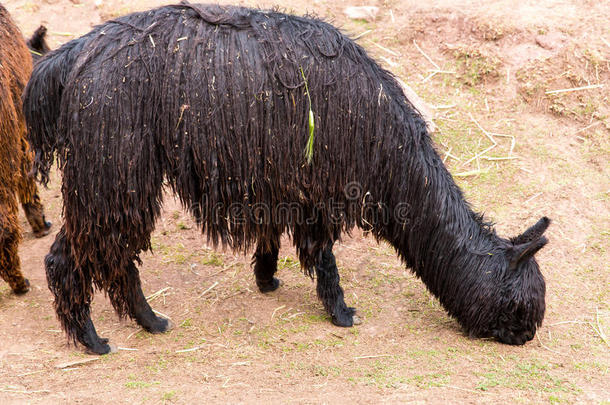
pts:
pixel 521 304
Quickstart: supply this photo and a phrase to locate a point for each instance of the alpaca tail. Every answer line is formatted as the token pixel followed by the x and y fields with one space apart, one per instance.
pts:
pixel 42 102
pixel 38 44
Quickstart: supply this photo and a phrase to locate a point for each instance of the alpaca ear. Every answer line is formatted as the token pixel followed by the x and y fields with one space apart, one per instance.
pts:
pixel 525 251
pixel 534 232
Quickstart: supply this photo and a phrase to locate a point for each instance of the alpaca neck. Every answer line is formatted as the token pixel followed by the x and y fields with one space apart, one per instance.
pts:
pixel 441 239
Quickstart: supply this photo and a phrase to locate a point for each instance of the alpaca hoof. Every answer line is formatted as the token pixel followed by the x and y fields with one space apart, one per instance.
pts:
pixel 269 286
pixel 346 318
pixel 88 337
pixel 101 347
pixel 45 231
pixel 23 290
pixel 170 325
pixel 159 325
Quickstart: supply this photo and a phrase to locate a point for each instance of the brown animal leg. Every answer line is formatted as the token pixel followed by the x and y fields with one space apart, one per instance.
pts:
pixel 9 241
pixel 28 195
pixel 35 215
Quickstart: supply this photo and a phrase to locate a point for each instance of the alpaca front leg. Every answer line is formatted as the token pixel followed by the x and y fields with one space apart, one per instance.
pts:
pixel 330 291
pixel 87 335
pixel 265 266
pixel 127 298
pixel 72 288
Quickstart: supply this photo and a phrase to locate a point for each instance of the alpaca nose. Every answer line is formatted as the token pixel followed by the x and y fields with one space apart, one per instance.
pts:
pixel 524 337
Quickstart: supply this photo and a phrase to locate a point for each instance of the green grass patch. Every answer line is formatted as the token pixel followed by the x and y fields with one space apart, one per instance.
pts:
pixel 475 67
pixel 141 384
pixel 530 375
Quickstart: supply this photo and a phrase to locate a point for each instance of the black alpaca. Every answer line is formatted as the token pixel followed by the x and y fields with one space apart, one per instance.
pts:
pixel 212 100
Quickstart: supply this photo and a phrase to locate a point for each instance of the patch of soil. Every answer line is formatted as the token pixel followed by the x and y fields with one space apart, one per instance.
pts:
pixel 569 83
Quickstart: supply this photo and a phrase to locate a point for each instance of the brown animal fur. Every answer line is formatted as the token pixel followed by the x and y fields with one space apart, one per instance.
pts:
pixel 16 180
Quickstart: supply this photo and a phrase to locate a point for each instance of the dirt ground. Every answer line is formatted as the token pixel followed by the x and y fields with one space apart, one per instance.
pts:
pixel 498 61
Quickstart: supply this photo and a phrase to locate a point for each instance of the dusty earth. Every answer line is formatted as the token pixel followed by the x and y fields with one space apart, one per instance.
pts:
pixel 232 343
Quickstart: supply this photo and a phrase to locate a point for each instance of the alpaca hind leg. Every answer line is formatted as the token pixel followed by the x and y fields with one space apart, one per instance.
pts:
pixel 34 213
pixel 125 293
pixel 265 266
pixel 9 258
pixel 330 291
pixel 28 195
pixel 72 288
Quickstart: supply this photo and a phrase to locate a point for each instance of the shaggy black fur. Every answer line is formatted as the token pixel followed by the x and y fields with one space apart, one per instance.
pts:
pixel 212 100
pixel 265 266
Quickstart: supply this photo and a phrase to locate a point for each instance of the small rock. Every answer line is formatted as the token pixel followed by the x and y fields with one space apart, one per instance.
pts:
pixel 550 41
pixel 368 13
